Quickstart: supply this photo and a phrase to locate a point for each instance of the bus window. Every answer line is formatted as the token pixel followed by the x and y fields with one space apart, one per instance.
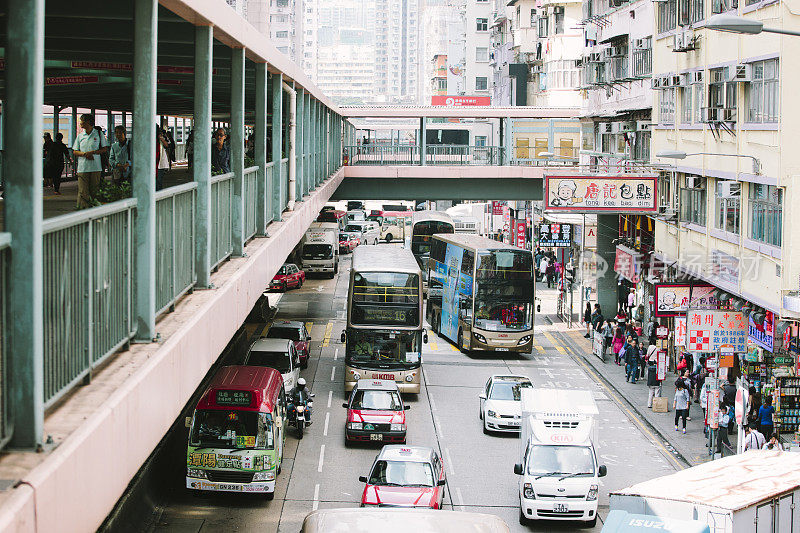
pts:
pixel 383 346
pixel 216 428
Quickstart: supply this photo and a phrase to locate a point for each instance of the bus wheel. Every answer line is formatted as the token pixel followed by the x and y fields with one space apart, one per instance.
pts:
pixel 388 237
pixel 460 340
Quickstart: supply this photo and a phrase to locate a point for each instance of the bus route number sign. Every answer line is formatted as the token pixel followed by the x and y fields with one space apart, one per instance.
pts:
pixel 378 315
pixel 236 398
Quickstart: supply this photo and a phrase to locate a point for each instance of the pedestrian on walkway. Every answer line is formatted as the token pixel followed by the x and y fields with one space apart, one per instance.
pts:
pixel 162 157
pixel 631 301
pixel 587 318
pixel 653 384
pixel 621 318
pixel 681 405
pixel 686 382
pixel 190 149
pixel 704 406
pixel 88 147
pixel 221 153
pixel 57 152
pixel 722 432
pixel 608 336
pixel 617 343
pixel 754 439
pixel 754 404
pixel 597 318
pixel 551 273
pixel 544 263
pixel 774 443
pixel 766 414
pixel 729 398
pixel 632 360
pixel 699 377
pixel 121 159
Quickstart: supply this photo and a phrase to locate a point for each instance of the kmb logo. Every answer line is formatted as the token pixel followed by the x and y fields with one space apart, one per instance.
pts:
pixel 384 376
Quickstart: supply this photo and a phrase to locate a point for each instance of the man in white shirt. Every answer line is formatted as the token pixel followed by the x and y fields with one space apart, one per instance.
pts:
pixel 753 440
pixel 87 149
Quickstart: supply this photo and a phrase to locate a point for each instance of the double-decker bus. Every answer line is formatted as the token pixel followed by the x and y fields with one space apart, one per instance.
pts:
pixel 481 293
pixel 425 224
pixel 384 334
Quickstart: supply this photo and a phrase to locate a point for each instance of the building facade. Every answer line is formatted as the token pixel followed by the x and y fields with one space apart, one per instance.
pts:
pixel 286 27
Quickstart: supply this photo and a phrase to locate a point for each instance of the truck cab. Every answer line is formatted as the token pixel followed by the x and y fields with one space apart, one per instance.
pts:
pixel 558 467
pixel 320 250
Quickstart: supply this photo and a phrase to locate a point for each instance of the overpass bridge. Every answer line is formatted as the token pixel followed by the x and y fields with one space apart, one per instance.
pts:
pixel 112 315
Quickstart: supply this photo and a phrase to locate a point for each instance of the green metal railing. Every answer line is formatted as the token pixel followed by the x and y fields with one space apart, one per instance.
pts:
pixel 409 154
pixel 221 218
pixel 175 236
pixel 285 186
pixel 249 191
pixel 87 292
pixel 268 175
pixel 5 423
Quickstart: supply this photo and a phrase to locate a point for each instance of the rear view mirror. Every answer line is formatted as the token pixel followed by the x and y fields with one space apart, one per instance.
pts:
pixel 442 482
pixel 538 308
pixel 425 338
pixel 406 407
pixel 482 396
pixel 188 421
pixel 362 479
pixel 344 405
pixel 518 469
pixel 602 471
pixel 344 337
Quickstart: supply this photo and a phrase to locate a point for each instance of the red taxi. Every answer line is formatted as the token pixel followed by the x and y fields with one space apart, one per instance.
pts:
pixel 289 276
pixel 348 242
pixel 375 412
pixel 405 476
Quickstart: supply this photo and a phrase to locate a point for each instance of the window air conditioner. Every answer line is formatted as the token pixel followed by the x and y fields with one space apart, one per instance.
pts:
pixel 607 52
pixel 558 10
pixel 616 127
pixel 728 189
pixel 655 83
pixel 695 182
pixel 696 77
pixel 605 127
pixel 594 57
pixel 617 51
pixel 642 125
pixel 729 114
pixel 677 80
pixel 741 73
pixel 711 114
pixel 629 126
pixel 677 43
pixel 638 44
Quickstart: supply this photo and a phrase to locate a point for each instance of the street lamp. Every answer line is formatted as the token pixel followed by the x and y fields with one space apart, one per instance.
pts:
pixel 677 154
pixel 741 25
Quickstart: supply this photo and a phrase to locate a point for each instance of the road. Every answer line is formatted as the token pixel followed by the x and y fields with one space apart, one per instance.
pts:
pixel 321 472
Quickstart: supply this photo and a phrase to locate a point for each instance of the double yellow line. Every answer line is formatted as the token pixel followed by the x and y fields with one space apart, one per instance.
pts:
pixel 327 338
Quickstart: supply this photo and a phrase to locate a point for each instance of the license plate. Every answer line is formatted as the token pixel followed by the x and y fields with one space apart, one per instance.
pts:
pixel 230 487
pixel 375 436
pixel 501 349
pixel 513 422
pixel 560 508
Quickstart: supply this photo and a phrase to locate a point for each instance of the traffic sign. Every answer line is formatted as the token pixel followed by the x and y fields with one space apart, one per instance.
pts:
pixel 741 404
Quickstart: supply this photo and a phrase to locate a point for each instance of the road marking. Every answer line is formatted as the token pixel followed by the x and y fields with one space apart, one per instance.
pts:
pixel 539 348
pixel 460 499
pixel 555 343
pixel 336 354
pixel 327 419
pixel 333 372
pixel 438 426
pixel 315 505
pixel 433 404
pixel 434 346
pixel 309 325
pixel 326 339
pixel 321 458
pixel 330 397
pixel 449 461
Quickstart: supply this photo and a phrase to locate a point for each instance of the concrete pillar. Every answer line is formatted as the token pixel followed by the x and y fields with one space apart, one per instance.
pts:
pixel 261 147
pixel 55 121
pixel 73 126
pixel 505 153
pixel 312 136
pixel 145 32
pixel 607 231
pixel 276 185
pixel 237 149
pixel 111 124
pixel 24 97
pixel 201 160
pixel 320 142
pixel 422 141
pixel 299 143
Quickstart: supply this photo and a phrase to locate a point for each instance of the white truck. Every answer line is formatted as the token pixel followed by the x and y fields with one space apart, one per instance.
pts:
pixel 558 469
pixel 754 492
pixel 320 252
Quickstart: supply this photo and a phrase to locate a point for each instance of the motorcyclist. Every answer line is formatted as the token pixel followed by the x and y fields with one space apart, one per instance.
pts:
pixel 301 396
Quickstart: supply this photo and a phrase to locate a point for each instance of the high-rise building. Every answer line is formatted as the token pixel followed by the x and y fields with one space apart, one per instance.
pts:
pixel 310 38
pixel 255 11
pixel 346 72
pixel 397 50
pixel 286 27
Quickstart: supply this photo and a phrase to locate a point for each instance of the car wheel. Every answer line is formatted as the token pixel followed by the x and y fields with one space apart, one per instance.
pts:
pixel 270 496
pixel 592 522
pixel 485 429
pixel 523 520
pixel 278 471
pixel 375 241
pixel 480 413
pixel 388 237
pixel 300 283
pixel 285 287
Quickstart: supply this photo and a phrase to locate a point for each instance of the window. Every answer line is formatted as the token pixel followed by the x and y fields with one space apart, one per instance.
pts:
pixel 481 83
pixel 641 150
pixel 721 93
pixel 699 95
pixel 543 27
pixel 766 214
pixel 480 140
pixel 687 99
pixel 558 19
pixel 281 34
pixel 721 6
pixel 562 74
pixel 728 206
pixel 481 54
pixel 762 92
pixel 696 11
pixel 666 109
pixel 282 3
pixel 693 200
pixel 533 18
pixel 667 15
pixel 482 24
pixel 442 84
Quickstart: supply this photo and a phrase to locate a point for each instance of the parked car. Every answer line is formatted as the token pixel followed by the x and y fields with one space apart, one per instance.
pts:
pixel 288 277
pixel 296 332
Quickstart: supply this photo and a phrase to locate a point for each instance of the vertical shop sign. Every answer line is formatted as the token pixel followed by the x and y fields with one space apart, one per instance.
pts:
pixel 661 365
pixel 713 408
pixel 680 331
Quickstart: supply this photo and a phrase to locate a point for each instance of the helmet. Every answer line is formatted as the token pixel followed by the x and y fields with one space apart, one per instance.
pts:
pixel 301 383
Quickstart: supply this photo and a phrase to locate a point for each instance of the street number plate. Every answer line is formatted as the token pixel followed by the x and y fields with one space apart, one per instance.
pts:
pixel 375 436
pixel 560 508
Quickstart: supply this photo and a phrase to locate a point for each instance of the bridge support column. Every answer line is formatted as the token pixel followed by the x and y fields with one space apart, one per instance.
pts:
pixel 261 147
pixel 277 144
pixel 299 118
pixel 422 142
pixel 22 166
pixel 607 231
pixel 201 159
pixel 505 140
pixel 307 133
pixel 237 149
pixel 145 50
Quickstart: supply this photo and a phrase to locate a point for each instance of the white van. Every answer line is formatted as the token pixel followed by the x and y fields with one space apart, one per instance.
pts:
pixel 558 469
pixel 370 232
pixel 279 354
pixel 320 252
pixel 370 520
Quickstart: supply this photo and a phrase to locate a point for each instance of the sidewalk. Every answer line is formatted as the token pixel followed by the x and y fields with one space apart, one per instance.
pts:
pixel 690 447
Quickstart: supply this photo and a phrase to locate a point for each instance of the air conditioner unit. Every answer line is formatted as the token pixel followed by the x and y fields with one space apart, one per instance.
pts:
pixel 716 76
pixel 605 127
pixel 536 69
pixel 696 77
pixel 729 189
pixel 638 44
pixel 741 73
pixel 695 182
pixel 628 126
pixel 711 114
pixel 677 43
pixel 607 52
pixel 617 51
pixel 643 125
pixel 558 10
pixel 677 80
pixel 729 114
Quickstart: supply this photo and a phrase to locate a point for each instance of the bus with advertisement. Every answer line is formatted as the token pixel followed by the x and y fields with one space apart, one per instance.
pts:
pixel 237 432
pixel 384 334
pixel 481 293
pixel 425 224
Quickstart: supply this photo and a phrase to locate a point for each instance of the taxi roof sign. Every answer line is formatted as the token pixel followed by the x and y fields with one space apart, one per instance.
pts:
pixel 377 384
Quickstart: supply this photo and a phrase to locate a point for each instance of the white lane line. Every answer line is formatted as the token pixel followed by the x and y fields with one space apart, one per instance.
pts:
pixel 335 354
pixel 333 372
pixel 460 499
pixel 438 426
pixel 315 505
pixel 327 419
pixel 449 461
pixel 321 458
pixel 433 404
pixel 330 397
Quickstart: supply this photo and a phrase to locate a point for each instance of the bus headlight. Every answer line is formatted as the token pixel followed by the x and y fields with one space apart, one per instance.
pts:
pixel 409 378
pixel 524 340
pixel 355 425
pixel 356 376
pixel 196 472
pixel 398 427
pixel 266 475
pixel 527 492
pixel 480 338
pixel 592 495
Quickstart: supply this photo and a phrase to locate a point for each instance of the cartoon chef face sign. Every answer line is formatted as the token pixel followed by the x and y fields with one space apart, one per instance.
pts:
pixel 565 193
pixel 666 301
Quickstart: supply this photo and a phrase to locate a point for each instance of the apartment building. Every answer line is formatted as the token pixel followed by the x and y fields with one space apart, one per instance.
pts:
pixel 726 101
pixel 398 40
pixel 286 27
pixel 616 69
pixel 310 38
pixel 256 12
pixel 477 71
pixel 346 73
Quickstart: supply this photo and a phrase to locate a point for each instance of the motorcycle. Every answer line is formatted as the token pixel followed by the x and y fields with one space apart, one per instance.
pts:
pixel 300 415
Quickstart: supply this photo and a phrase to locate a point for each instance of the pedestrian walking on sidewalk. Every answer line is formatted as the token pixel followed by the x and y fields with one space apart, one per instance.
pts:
pixel 681 405
pixel 587 318
pixel 754 405
pixel 632 360
pixel 89 145
pixel 686 383
pixel 767 413
pixel 774 443
pixel 544 263
pixel 753 440
pixel 608 337
pixel 704 405
pixel 722 432
pixel 57 153
pixel 617 343
pixel 631 301
pixel 653 384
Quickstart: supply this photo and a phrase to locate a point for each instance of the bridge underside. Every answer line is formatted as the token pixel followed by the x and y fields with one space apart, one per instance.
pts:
pixel 440 183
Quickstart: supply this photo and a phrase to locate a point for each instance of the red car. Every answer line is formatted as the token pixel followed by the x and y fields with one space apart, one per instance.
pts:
pixel 296 332
pixel 348 242
pixel 288 277
pixel 375 412
pixel 405 476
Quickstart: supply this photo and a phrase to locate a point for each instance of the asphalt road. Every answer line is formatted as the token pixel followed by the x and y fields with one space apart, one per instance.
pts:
pixel 321 472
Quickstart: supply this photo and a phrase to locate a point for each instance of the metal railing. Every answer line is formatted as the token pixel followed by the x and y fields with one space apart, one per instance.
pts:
pixel 285 176
pixel 221 218
pixel 377 154
pixel 5 422
pixel 175 236
pixel 562 155
pixel 455 154
pixel 407 154
pixel 249 187
pixel 88 293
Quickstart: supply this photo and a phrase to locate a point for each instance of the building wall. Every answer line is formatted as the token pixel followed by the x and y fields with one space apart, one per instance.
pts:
pixel 286 27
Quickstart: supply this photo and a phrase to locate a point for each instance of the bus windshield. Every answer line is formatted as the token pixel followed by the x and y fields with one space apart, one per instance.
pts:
pixel 383 349
pixel 386 288
pixel 217 428
pixel 504 291
pixel 421 235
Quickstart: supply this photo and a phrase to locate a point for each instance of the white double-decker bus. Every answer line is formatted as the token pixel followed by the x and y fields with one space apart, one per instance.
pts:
pixel 424 225
pixel 481 293
pixel 384 334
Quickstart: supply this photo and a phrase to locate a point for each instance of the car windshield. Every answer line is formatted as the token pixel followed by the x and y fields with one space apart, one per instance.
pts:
pixel 216 428
pixel 353 227
pixel 402 473
pixel 379 400
pixel 277 360
pixel 283 270
pixel 552 460
pixel 508 390
pixel 280 332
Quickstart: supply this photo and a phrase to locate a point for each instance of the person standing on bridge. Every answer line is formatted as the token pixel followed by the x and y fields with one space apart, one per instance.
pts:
pixel 221 153
pixel 89 145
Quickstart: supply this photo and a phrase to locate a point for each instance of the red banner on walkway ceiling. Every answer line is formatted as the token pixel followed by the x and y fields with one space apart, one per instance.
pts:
pixel 455 101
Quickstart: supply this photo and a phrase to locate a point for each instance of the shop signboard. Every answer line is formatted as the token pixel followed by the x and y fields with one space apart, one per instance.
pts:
pixel 597 345
pixel 674 299
pixel 708 329
pixel 628 264
pixel 460 101
pixel 763 334
pixel 751 355
pixel 506 224
pixel 741 404
pixel 662 332
pixel 726 356
pixel 711 363
pixel 712 412
pixel 661 365
pixel 680 331
pixel 519 232
pixel 555 235
pixel 497 208
pixel 600 194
